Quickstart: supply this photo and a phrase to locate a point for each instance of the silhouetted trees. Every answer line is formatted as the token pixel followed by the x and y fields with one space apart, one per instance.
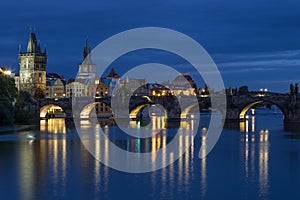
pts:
pixel 15 107
pixel 294 89
pixel 8 93
pixel 39 94
pixel 23 108
pixel 243 90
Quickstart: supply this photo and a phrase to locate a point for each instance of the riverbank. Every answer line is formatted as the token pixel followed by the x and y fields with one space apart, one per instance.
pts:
pixel 15 128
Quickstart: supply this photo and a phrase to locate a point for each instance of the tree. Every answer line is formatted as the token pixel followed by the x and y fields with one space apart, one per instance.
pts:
pixel 8 93
pixel 39 93
pixel 23 101
pixel 23 107
pixel 243 90
pixel 7 87
pixel 291 89
pixel 6 111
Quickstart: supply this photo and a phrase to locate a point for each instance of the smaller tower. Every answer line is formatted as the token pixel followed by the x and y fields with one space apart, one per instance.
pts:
pixel 87 69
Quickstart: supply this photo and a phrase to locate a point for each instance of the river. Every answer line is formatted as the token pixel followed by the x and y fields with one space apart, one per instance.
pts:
pixel 259 161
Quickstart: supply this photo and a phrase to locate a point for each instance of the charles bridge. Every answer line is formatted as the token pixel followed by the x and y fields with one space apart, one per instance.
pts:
pixel 176 109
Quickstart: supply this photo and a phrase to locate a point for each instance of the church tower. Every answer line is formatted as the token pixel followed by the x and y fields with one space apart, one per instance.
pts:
pixel 87 69
pixel 33 67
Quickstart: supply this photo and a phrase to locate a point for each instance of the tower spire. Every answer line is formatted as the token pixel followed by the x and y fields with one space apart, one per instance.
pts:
pixel 39 47
pixel 87 49
pixel 32 44
pixel 87 53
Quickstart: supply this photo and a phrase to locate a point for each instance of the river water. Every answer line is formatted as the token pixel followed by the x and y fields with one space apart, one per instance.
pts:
pixel 259 161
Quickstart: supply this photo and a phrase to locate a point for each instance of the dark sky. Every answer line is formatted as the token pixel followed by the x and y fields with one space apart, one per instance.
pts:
pixel 253 42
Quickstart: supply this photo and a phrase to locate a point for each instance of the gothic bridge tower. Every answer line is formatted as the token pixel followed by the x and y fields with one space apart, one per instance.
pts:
pixel 33 67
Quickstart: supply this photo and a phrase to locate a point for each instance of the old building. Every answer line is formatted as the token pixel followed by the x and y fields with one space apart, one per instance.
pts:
pixel 92 87
pixel 75 88
pixel 113 79
pixel 136 86
pixel 33 67
pixel 184 84
pixel 55 86
pixel 102 90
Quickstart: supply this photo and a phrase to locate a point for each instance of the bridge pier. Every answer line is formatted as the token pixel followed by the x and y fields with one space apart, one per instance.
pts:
pixel 292 126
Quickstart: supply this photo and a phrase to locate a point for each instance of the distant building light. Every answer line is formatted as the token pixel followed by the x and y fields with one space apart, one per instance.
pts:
pixel 263 90
pixel 7 72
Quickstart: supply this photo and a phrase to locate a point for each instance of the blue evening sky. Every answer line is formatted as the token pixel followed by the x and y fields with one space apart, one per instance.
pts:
pixel 253 42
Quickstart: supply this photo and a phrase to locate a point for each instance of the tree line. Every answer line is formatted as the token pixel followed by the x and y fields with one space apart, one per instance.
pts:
pixel 15 106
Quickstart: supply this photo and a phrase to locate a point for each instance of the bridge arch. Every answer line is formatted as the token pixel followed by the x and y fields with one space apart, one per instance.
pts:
pixel 245 108
pixel 44 110
pixel 133 113
pixel 86 111
pixel 187 110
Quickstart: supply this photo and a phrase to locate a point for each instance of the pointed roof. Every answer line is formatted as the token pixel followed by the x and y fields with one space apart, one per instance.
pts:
pixel 32 44
pixel 39 48
pixel 87 54
pixel 113 74
pixel 87 49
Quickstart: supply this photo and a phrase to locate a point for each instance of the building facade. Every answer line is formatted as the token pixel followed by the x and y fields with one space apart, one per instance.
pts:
pixel 33 67
pixel 102 90
pixel 113 80
pixel 55 89
pixel 75 88
pixel 55 86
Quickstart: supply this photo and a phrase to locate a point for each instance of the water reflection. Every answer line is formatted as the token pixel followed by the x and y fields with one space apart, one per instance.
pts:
pixel 264 163
pixel 160 138
pixel 57 166
pixel 26 163
pixel 53 125
pixel 248 125
pixel 203 161
pixel 256 150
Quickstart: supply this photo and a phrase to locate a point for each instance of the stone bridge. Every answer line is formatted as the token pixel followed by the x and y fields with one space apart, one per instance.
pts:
pixel 237 106
pixel 176 108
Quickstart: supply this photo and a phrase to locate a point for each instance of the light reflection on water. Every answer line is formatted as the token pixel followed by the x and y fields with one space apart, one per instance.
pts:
pixel 259 150
pixel 56 165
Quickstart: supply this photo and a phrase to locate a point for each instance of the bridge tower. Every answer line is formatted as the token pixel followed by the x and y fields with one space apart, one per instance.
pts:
pixel 87 69
pixel 33 67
